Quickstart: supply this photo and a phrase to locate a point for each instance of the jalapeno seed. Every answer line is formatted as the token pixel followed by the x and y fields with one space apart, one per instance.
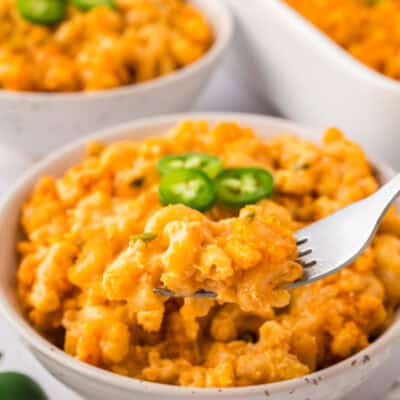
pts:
pixel 238 187
pixel 191 187
pixel 209 164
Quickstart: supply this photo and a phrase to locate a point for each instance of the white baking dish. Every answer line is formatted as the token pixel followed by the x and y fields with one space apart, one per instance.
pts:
pixel 308 78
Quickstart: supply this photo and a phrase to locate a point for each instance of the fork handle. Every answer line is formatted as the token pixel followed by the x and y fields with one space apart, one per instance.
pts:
pixel 385 196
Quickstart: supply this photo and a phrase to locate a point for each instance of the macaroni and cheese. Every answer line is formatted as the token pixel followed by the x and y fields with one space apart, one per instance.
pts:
pixel 101 48
pixel 367 29
pixel 98 241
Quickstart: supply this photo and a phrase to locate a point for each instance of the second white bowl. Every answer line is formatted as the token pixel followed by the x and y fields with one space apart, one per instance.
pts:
pixel 37 123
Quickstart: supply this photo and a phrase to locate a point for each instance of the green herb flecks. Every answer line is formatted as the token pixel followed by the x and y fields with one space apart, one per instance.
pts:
pixel 145 237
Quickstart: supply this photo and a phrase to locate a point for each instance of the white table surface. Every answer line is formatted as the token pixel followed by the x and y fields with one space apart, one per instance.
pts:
pixel 224 93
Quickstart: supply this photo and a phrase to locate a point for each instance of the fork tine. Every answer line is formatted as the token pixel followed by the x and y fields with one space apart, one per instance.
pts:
pixel 164 292
pixel 200 294
pixel 301 241
pixel 204 294
pixel 309 264
pixel 304 253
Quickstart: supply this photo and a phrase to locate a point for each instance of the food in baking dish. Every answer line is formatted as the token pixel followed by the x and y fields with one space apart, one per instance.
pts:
pixel 367 29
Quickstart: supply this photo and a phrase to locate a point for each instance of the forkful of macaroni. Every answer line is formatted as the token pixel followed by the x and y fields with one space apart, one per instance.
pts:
pixel 328 245
pixel 185 251
pixel 231 260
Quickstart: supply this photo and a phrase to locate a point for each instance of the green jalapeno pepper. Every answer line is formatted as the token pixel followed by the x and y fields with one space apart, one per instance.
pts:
pixel 45 12
pixel 87 5
pixel 237 187
pixel 209 164
pixel 191 187
pixel 16 386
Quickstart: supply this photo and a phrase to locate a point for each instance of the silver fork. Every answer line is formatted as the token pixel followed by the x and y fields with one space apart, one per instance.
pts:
pixel 334 242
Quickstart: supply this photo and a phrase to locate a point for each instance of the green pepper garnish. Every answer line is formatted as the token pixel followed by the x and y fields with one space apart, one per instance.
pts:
pixel 145 237
pixel 209 164
pixel 16 386
pixel 45 12
pixel 238 187
pixel 191 187
pixel 87 5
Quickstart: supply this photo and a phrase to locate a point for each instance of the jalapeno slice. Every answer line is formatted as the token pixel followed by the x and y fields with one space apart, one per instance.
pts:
pixel 45 12
pixel 16 386
pixel 237 187
pixel 209 164
pixel 191 187
pixel 87 5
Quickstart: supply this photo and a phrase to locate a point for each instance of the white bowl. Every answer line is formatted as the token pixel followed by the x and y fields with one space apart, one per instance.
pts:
pixel 39 122
pixel 97 384
pixel 308 78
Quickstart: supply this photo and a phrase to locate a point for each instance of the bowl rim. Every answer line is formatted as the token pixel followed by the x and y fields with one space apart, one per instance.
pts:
pixel 337 54
pixel 56 355
pixel 223 29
